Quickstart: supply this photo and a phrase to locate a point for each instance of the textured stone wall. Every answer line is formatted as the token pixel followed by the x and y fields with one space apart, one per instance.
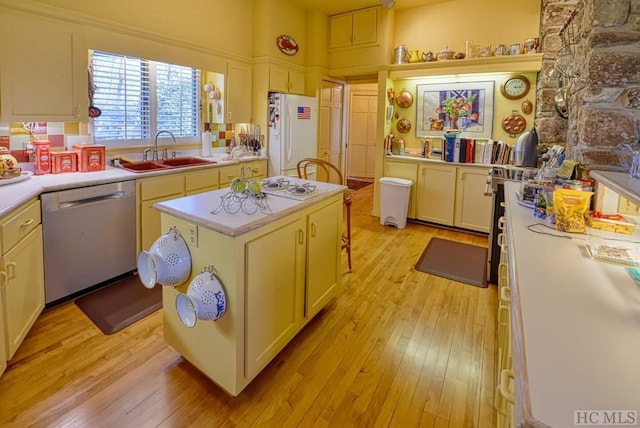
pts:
pixel 604 102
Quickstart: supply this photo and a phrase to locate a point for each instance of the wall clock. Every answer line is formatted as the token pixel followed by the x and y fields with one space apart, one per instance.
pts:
pixel 287 45
pixel 515 87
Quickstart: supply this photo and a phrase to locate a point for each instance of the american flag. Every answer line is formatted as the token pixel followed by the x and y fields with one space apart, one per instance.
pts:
pixel 304 112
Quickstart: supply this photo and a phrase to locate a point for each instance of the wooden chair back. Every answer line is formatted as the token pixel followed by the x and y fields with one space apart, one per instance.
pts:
pixel 325 171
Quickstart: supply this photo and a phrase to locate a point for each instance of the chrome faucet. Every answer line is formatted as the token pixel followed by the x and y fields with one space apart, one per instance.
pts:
pixel 155 144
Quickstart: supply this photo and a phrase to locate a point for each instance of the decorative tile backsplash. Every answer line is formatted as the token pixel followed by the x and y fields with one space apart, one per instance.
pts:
pixel 16 136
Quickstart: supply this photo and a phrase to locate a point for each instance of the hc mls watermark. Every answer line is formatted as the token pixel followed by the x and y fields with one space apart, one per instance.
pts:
pixel 606 417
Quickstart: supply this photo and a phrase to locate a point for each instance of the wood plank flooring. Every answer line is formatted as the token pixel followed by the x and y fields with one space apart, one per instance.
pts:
pixel 397 347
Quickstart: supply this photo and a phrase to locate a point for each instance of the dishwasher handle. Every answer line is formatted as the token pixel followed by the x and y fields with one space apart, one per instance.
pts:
pixel 86 201
pixel 84 196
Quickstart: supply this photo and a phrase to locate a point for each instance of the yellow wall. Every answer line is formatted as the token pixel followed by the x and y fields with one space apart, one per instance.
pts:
pixel 501 106
pixel 218 24
pixel 430 28
pixel 273 18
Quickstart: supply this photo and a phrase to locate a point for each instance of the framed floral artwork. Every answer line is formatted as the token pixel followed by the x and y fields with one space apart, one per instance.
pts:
pixel 465 107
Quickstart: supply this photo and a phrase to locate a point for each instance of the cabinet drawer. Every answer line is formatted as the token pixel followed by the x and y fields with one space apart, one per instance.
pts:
pixel 161 186
pixel 228 173
pixel 207 179
pixel 17 224
pixel 258 168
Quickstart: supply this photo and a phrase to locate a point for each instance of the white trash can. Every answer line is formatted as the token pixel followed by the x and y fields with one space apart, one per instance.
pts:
pixel 394 201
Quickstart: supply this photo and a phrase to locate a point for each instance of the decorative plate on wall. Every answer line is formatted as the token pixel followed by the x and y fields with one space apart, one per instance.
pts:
pixel 404 99
pixel 287 45
pixel 514 124
pixel 403 126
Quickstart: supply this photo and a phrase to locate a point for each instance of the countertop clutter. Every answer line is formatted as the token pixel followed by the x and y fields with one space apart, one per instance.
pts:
pixel 14 194
pixel 575 321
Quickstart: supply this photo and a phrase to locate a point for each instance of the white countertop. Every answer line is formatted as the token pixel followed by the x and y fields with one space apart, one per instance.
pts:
pixel 576 324
pixel 620 182
pixel 14 194
pixel 197 209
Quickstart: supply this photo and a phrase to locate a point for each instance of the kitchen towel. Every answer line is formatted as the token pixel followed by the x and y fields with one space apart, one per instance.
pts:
pixel 455 260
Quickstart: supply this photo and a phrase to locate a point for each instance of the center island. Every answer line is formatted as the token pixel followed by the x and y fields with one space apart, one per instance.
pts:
pixel 278 267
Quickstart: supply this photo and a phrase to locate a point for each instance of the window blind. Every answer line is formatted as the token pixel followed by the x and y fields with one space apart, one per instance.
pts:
pixel 139 97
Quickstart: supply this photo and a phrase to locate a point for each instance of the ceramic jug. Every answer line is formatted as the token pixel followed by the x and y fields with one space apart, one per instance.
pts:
pixel 414 56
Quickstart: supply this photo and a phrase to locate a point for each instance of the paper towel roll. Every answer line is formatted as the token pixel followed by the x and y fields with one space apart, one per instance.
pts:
pixel 206 144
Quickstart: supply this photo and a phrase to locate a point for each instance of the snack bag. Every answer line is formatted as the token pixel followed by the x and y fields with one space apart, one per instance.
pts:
pixel 569 207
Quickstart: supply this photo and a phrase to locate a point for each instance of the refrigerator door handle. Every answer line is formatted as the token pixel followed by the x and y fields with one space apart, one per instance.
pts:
pixel 288 141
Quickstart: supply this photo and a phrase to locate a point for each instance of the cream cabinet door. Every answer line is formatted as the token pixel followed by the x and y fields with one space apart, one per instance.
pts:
pixel 324 228
pixel 22 285
pixel 239 92
pixel 3 346
pixel 354 29
pixel 296 82
pixel 365 27
pixel 284 80
pixel 436 193
pixel 149 191
pixel 340 28
pixel 278 79
pixel 473 207
pixel 46 51
pixel 201 181
pixel 408 171
pixel 274 296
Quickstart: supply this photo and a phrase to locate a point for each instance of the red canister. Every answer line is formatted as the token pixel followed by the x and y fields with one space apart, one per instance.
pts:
pixel 42 161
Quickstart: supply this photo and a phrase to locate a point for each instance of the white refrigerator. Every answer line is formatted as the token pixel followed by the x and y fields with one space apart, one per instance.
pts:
pixel 293 130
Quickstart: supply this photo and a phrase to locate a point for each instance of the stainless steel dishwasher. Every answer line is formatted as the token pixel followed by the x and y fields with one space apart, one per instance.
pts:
pixel 89 237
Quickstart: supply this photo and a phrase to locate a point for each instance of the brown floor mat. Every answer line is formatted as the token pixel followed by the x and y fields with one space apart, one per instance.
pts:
pixel 120 304
pixel 455 260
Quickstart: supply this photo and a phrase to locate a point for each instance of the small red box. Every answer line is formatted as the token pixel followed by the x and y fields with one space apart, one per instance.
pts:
pixel 64 162
pixel 90 157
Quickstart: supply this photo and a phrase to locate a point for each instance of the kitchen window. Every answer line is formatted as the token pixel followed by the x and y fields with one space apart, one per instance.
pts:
pixel 138 97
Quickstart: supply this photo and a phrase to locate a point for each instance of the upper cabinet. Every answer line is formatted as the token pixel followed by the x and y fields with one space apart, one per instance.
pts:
pixel 239 87
pixel 354 29
pixel 43 69
pixel 282 79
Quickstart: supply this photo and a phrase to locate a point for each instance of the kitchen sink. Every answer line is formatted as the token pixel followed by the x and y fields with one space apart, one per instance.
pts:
pixel 185 161
pixel 145 166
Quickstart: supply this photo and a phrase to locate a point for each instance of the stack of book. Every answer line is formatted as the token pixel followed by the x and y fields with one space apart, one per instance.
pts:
pixel 475 150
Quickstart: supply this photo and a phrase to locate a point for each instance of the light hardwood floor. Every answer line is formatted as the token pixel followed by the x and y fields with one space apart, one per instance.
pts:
pixel 397 348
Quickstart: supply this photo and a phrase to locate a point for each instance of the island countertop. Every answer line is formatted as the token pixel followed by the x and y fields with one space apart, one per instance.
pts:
pixel 203 209
pixel 575 324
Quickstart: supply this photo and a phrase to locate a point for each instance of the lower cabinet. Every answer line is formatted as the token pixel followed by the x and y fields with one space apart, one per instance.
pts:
pixel 274 287
pixel 276 278
pixel 436 193
pixel 21 276
pixel 453 195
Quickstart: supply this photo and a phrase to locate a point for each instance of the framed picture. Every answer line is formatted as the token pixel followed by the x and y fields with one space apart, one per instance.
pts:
pixel 468 105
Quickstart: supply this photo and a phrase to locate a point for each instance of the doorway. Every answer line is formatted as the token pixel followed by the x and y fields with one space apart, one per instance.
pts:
pixel 361 132
pixel 330 147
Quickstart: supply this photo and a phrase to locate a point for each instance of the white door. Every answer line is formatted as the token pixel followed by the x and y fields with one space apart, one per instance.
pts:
pixel 300 129
pixel 362 132
pixel 330 137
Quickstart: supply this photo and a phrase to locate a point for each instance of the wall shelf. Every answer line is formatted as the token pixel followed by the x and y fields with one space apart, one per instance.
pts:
pixel 492 64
